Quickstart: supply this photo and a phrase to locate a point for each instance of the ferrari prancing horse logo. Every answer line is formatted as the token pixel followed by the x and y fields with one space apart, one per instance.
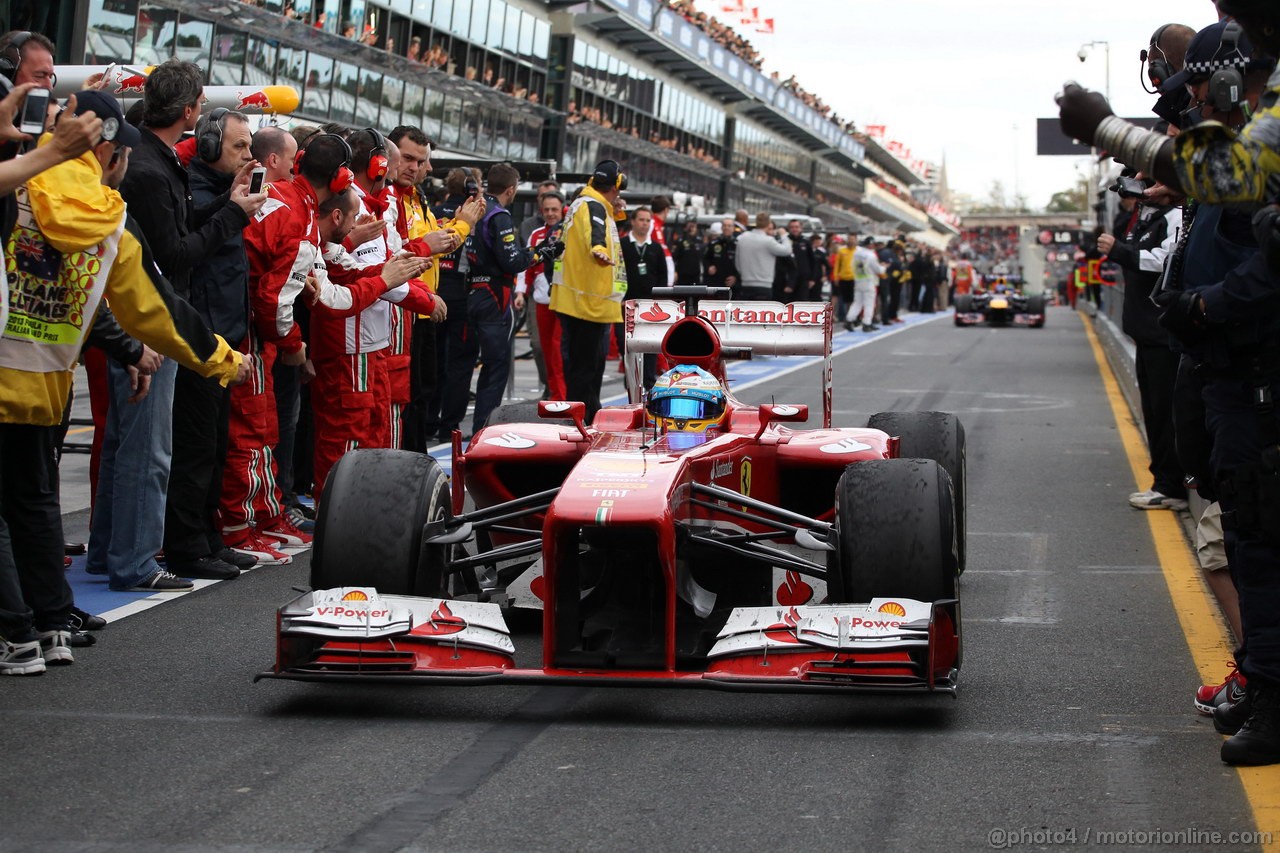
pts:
pixel 744 475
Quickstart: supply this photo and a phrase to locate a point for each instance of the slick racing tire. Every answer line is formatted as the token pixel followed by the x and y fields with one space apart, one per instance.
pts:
pixel 895 532
pixel 1035 305
pixel 369 528
pixel 963 305
pixel 938 436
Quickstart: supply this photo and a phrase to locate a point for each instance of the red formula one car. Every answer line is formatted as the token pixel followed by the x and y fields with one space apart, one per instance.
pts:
pixel 688 540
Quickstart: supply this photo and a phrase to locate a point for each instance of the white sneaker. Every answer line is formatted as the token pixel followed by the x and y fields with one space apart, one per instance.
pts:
pixel 21 658
pixel 55 646
pixel 1151 499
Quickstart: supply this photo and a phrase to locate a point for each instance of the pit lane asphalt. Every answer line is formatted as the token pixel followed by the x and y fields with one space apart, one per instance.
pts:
pixel 1074 712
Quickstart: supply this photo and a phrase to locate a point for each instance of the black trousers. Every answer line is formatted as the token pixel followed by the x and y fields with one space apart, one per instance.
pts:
pixel 1157 372
pixel 201 413
pixel 287 383
pixel 1190 433
pixel 456 363
pixel 31 532
pixel 585 346
pixel 420 417
pixel 929 299
pixel 1233 420
pixel 304 455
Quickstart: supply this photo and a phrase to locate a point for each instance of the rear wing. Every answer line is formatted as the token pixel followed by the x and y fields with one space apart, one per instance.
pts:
pixel 746 329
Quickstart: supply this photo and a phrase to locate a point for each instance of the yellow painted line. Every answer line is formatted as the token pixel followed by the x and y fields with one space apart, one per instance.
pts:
pixel 1197 611
pixel 79 430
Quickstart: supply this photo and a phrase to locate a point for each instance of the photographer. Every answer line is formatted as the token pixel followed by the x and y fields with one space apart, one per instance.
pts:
pixel 1148 236
pixel 1218 165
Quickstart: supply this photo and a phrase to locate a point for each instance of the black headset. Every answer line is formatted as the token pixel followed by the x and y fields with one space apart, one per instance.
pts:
pixel 1158 70
pixel 11 58
pixel 620 182
pixel 1226 85
pixel 209 142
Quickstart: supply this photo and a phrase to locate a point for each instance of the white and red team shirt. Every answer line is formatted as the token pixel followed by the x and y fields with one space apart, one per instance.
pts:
pixel 282 242
pixel 658 234
pixel 535 277
pixel 370 330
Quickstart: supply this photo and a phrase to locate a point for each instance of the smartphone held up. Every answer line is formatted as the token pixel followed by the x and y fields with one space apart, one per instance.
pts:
pixel 35 110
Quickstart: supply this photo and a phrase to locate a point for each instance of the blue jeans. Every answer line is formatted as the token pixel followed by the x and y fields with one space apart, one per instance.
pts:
pixel 133 481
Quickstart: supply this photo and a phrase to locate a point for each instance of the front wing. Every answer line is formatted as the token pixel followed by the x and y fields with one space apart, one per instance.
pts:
pixel 1010 313
pixel 355 634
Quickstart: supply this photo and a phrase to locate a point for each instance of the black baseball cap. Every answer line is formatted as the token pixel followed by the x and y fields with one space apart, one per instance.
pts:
pixel 114 127
pixel 605 174
pixel 1211 50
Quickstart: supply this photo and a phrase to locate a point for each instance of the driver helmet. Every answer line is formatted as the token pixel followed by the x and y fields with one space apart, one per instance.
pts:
pixel 687 399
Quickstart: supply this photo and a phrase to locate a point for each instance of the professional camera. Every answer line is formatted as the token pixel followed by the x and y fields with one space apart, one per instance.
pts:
pixel 473 187
pixel 1129 188
pixel 548 251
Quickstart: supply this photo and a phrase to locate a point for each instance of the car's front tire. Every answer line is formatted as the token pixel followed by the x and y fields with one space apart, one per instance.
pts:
pixel 895 532
pixel 370 525
pixel 938 436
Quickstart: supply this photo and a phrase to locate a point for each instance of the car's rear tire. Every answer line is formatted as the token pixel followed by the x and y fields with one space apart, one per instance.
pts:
pixel 895 532
pixel 963 305
pixel 1035 305
pixel 938 436
pixel 369 528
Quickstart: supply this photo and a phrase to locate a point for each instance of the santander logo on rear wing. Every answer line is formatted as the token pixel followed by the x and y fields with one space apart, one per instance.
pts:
pixel 767 328
pixel 750 328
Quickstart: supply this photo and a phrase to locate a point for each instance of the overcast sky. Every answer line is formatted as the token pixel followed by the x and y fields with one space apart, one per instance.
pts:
pixel 957 76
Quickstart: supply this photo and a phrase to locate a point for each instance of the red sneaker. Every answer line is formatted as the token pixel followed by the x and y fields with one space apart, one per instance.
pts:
pixel 283 529
pixel 1230 691
pixel 247 541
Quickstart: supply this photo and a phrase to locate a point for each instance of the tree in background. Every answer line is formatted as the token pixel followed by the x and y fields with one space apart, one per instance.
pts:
pixel 1074 200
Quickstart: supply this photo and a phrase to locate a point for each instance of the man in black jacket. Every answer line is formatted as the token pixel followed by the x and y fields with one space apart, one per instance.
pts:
pixel 686 254
pixel 181 237
pixel 1147 235
pixel 802 267
pixel 820 268
pixel 495 255
pixel 719 258
pixel 219 290
pixel 646 269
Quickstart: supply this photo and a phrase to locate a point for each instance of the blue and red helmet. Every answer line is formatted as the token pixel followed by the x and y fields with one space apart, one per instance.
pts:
pixel 687 399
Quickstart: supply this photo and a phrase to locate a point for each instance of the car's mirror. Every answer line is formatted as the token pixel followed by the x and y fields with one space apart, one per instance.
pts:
pixel 772 413
pixel 574 410
pixel 779 412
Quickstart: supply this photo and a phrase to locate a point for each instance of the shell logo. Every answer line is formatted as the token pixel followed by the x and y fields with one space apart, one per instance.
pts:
pixel 893 608
pixel 355 595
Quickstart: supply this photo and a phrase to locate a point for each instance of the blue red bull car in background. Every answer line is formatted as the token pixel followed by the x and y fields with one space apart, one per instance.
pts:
pixel 1000 302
